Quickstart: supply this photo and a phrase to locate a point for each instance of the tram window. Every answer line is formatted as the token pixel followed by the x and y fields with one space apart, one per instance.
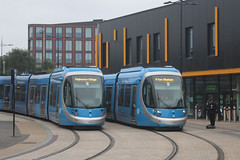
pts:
pixel 32 93
pixel 23 90
pixel 7 93
pixel 108 95
pixel 43 96
pixel 58 89
pixel 127 95
pixel 54 94
pixel 37 94
pixel 51 96
pixel 120 95
pixel 18 92
pixel 67 94
pixel 147 95
pixel 1 91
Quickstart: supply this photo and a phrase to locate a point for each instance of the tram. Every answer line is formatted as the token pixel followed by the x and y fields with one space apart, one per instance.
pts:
pixel 151 97
pixel 68 96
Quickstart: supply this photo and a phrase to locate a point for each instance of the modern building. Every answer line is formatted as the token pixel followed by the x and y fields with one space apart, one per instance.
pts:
pixel 198 37
pixel 67 44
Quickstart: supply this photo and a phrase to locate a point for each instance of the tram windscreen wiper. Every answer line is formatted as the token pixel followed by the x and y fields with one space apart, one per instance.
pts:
pixel 159 99
pixel 86 106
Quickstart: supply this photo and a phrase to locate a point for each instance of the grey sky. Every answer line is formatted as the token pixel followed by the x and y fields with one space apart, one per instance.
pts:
pixel 15 15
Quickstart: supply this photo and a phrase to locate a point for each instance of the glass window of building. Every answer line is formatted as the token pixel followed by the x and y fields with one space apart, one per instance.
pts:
pixel 48 45
pixel 156 47
pixel 78 58
pixel 58 45
pixel 211 39
pixel 88 58
pixel 38 57
pixel 38 45
pixel 225 83
pixel 236 89
pixel 189 42
pixel 78 32
pixel 78 45
pixel 189 93
pixel 88 32
pixel 58 58
pixel 49 32
pixel 30 45
pixel 88 45
pixel 211 88
pixel 96 31
pixel 30 32
pixel 68 58
pixel 39 31
pixel 139 50
pixel 49 56
pixel 199 92
pixel 69 32
pixel 68 45
pixel 129 51
pixel 225 91
pixel 59 32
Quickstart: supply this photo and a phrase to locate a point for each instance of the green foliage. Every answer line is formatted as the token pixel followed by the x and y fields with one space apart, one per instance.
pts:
pixel 47 66
pixel 21 60
pixel 24 63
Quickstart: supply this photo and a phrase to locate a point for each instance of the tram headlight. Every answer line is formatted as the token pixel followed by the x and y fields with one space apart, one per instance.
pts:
pixel 184 112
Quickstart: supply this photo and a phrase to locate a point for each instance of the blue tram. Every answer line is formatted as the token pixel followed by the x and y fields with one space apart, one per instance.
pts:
pixel 146 97
pixel 68 96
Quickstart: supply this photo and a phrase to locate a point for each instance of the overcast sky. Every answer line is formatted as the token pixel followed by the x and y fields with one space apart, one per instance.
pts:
pixel 15 15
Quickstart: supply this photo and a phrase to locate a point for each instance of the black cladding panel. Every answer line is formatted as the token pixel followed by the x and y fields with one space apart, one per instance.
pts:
pixel 196 16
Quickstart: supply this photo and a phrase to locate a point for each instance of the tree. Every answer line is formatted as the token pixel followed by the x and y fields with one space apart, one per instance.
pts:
pixel 21 60
pixel 47 66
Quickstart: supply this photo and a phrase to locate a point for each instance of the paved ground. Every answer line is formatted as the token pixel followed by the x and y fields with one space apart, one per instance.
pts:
pixel 39 139
pixel 6 138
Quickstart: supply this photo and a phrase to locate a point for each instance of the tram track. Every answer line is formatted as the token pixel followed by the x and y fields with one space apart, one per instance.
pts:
pixel 174 145
pixel 111 144
pixel 77 139
pixel 220 153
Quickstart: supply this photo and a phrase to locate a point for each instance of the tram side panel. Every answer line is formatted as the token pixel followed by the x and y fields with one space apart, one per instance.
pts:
pixel 37 96
pixel 5 93
pixel 21 95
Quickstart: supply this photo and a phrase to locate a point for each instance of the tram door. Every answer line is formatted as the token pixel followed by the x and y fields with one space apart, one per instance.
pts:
pixel 57 109
pixel 108 99
pixel 31 109
pixel 43 101
pixel 133 107
pixel 7 97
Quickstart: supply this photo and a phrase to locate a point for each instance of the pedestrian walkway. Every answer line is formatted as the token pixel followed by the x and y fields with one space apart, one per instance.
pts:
pixel 28 134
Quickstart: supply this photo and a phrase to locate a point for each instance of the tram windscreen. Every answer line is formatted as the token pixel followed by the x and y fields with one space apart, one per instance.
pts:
pixel 86 91
pixel 163 91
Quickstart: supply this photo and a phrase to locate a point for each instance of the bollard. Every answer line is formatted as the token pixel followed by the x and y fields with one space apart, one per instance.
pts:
pixel 229 114
pixel 196 112
pixel 224 114
pixel 234 114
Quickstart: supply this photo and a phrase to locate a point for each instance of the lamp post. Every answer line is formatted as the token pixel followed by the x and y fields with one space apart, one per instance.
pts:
pixel 181 3
pixel 2 59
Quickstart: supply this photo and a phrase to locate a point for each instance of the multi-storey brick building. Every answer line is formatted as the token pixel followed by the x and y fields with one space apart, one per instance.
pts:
pixel 67 44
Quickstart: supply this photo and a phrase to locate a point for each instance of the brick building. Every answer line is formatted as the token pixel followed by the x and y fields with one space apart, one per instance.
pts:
pixel 66 44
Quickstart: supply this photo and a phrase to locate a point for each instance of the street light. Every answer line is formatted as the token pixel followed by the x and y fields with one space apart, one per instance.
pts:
pixel 181 3
pixel 3 63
